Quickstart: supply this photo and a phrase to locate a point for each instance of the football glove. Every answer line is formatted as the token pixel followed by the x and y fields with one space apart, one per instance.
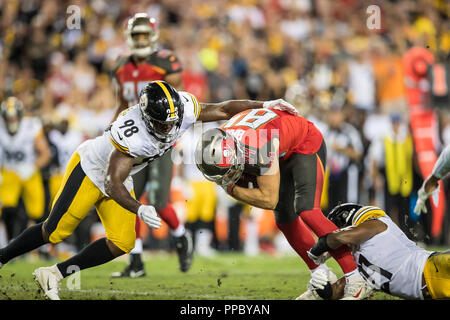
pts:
pixel 422 197
pixel 280 104
pixel 149 216
pixel 319 279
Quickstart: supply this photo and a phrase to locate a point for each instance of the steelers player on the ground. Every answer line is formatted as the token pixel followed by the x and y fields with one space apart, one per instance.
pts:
pixel 147 63
pixel 99 174
pixel 386 258
pixel 25 152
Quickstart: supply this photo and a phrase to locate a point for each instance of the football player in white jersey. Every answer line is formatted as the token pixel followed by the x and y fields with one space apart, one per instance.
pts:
pixel 66 141
pixel 25 152
pixel 99 174
pixel 386 258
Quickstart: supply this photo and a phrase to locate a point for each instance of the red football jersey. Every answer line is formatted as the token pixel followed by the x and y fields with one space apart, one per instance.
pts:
pixel 256 129
pixel 132 78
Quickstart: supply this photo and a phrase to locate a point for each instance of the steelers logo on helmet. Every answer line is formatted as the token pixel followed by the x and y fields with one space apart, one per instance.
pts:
pixel 343 214
pixel 162 110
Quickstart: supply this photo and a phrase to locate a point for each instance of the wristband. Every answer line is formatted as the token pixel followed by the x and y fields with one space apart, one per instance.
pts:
pixel 321 246
pixel 326 293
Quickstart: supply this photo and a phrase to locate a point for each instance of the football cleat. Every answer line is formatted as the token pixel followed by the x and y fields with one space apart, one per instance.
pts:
pixel 130 272
pixel 49 280
pixel 185 250
pixel 311 293
pixel 356 289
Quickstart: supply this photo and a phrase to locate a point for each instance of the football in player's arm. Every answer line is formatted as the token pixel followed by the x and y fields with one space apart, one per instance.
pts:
pixel 351 237
pixel 265 194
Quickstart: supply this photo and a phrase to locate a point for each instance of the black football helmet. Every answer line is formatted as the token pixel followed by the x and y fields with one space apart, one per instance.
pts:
pixel 12 112
pixel 219 156
pixel 342 215
pixel 162 110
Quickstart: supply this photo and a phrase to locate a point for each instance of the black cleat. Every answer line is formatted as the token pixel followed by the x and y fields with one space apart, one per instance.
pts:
pixel 130 272
pixel 185 250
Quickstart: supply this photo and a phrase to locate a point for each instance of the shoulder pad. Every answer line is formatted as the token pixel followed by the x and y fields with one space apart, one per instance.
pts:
pixel 367 213
pixel 121 61
pixel 166 60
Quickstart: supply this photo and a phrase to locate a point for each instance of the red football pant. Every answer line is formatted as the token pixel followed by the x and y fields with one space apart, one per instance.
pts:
pixel 167 214
pixel 301 239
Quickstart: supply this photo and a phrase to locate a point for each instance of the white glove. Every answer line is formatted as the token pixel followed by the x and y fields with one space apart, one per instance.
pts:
pixel 319 259
pixel 149 216
pixel 422 197
pixel 319 279
pixel 280 104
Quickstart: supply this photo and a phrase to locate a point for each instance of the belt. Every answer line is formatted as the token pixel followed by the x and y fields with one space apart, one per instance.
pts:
pixel 425 292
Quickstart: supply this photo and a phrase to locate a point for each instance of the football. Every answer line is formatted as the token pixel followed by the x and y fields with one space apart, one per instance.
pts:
pixel 247 181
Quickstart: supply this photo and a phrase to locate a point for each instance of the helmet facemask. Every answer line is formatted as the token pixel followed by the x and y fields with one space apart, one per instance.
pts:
pixel 220 157
pixel 141 24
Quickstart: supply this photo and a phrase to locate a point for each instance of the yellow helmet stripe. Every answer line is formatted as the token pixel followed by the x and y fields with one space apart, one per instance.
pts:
pixel 169 97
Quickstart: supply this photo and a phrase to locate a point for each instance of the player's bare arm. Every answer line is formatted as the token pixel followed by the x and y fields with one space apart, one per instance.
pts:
pixel 351 236
pixel 43 151
pixel 226 109
pixel 119 168
pixel 356 235
pixel 175 80
pixel 265 196
pixel 431 183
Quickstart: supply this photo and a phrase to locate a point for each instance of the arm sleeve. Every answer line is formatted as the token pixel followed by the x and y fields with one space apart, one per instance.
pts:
pixel 442 165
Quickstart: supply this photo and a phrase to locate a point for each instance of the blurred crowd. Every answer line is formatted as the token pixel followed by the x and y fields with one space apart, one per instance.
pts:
pixel 320 55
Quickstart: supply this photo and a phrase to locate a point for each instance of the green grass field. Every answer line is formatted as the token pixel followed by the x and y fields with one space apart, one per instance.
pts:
pixel 226 277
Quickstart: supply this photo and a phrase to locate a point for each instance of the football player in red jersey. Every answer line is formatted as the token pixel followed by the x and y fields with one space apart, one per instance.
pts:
pixel 275 160
pixel 146 63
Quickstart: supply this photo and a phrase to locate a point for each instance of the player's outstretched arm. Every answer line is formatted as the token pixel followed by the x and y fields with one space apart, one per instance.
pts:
pixel 227 109
pixel 349 236
pixel 440 170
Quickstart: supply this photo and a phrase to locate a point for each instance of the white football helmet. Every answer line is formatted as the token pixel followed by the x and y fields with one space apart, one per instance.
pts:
pixel 141 23
pixel 12 111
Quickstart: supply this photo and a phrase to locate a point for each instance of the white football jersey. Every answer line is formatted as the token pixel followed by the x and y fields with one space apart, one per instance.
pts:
pixel 66 144
pixel 129 134
pixel 18 149
pixel 389 261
